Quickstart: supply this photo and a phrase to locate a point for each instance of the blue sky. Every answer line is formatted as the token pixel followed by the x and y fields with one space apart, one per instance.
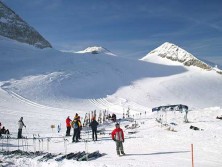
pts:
pixel 126 27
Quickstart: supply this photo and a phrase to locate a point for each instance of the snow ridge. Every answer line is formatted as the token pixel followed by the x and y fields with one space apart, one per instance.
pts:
pixel 12 26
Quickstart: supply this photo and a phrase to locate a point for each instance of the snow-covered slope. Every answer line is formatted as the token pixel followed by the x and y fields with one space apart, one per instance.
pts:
pixel 172 52
pixel 96 50
pixel 12 26
pixel 68 80
pixel 45 86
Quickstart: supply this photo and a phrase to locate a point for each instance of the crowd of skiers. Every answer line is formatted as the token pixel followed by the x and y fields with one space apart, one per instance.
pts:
pixel 117 134
pixel 77 127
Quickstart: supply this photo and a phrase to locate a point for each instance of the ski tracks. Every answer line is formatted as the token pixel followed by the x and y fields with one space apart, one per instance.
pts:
pixel 29 102
pixel 103 103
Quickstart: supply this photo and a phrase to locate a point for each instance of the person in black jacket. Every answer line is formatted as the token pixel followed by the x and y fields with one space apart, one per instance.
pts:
pixel 94 125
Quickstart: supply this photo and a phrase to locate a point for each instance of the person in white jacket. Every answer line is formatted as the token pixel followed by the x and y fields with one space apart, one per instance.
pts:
pixel 20 126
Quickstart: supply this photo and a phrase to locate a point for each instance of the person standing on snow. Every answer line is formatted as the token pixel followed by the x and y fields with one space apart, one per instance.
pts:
pixel 94 125
pixel 80 128
pixel 76 125
pixel 118 137
pixel 20 126
pixel 68 126
pixel 114 117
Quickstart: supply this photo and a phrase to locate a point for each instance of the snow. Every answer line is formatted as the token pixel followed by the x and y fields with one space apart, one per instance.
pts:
pixel 172 51
pixel 96 50
pixel 45 86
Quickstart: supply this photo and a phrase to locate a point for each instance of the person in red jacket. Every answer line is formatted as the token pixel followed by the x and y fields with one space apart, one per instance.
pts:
pixel 118 137
pixel 68 126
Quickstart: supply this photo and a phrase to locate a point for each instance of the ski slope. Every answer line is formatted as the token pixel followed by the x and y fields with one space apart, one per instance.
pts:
pixel 45 86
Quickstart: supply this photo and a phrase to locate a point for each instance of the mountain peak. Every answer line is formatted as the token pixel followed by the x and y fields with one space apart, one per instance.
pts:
pixel 13 27
pixel 175 53
pixel 96 50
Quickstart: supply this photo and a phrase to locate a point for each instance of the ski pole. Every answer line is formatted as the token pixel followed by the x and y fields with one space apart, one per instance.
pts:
pixel 2 144
pixel 42 144
pixel 22 145
pixel 39 142
pixel 26 143
pixel 48 140
pixel 192 155
pixel 65 146
pixel 18 144
pixel 7 144
pixel 34 143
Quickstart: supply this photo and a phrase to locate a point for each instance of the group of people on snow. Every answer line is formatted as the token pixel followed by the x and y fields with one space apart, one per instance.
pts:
pixel 77 127
pixel 20 126
pixel 3 130
pixel 117 134
pixel 113 117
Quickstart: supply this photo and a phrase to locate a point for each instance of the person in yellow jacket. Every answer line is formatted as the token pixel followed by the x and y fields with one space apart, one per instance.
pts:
pixel 80 127
pixel 76 126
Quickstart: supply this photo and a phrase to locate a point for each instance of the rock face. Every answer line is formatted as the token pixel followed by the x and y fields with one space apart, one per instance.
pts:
pixel 175 53
pixel 12 26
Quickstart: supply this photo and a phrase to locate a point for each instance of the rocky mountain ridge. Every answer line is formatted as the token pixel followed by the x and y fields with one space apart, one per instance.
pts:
pixel 14 27
pixel 175 53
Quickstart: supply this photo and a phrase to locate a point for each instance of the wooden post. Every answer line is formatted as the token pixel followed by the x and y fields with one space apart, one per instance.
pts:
pixel 192 155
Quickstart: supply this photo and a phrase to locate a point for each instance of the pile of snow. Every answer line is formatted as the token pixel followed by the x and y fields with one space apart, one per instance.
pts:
pixel 174 53
pixel 96 50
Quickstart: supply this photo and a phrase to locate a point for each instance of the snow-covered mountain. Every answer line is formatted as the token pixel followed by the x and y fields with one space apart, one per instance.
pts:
pixel 174 53
pixel 96 50
pixel 12 26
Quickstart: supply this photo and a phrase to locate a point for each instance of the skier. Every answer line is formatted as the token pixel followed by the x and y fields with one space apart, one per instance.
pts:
pixel 80 127
pixel 20 124
pixel 114 117
pixel 109 117
pixel 118 137
pixel 68 126
pixel 75 124
pixel 94 125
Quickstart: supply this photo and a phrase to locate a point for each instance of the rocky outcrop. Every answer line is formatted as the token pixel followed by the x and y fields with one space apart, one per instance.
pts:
pixel 175 53
pixel 13 27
